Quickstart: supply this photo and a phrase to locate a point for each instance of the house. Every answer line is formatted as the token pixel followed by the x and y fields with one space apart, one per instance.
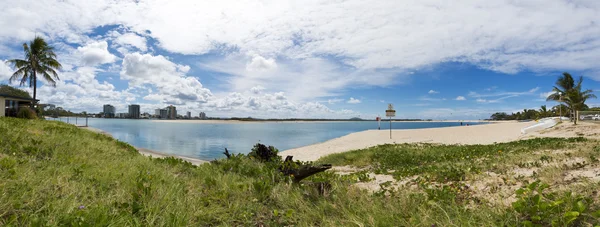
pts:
pixel 10 105
pixel 12 99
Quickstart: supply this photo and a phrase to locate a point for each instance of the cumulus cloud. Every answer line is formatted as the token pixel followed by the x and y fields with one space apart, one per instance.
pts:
pixel 257 89
pixel 353 100
pixel 130 40
pixel 5 71
pixel 313 49
pixel 170 79
pixel 425 33
pixel 259 63
pixel 96 53
pixel 460 98
pixel 269 105
pixel 433 92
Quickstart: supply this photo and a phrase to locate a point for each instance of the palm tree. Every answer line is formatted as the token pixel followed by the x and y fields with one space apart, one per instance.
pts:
pixel 576 98
pixel 40 59
pixel 543 111
pixel 571 94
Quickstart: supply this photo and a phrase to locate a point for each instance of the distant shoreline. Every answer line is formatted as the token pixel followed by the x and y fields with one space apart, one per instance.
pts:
pixel 308 121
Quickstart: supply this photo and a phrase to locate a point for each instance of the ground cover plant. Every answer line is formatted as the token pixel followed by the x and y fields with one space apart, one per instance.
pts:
pixel 57 174
pixel 551 181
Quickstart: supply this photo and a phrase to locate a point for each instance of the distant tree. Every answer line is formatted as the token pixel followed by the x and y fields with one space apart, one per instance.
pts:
pixel 40 60
pixel 543 112
pixel 499 116
pixel 576 98
pixel 570 92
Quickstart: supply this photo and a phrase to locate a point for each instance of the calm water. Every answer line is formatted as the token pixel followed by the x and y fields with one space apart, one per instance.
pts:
pixel 207 141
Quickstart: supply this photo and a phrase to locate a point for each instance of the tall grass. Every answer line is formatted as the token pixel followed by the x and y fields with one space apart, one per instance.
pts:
pixel 57 174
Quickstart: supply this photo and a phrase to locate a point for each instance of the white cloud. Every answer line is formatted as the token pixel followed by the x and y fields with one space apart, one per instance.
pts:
pixel 170 79
pixel 425 98
pixel 544 95
pixel 5 71
pixel 462 113
pixel 334 101
pixel 481 100
pixel 491 88
pixel 305 79
pixel 433 92
pixel 460 98
pixel 259 63
pixel 502 94
pixel 96 53
pixel 315 49
pixel 353 100
pixel 130 39
pixel 533 90
pixel 423 34
pixel 257 89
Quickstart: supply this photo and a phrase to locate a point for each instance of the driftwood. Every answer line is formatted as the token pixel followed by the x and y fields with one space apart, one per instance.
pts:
pixel 226 153
pixel 296 169
pixel 300 171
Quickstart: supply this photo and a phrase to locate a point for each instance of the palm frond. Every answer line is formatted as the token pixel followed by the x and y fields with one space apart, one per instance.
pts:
pixel 23 75
pixel 18 63
pixel 49 79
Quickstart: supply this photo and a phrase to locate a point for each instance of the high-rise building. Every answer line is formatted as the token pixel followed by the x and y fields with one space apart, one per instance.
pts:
pixel 189 115
pixel 161 113
pixel 109 111
pixel 134 111
pixel 171 112
pixel 122 115
pixel 202 115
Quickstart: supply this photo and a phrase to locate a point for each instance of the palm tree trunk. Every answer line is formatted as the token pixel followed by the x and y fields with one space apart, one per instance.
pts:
pixel 34 90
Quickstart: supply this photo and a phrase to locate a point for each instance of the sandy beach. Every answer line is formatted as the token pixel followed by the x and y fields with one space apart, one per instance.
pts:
pixel 477 134
pixel 151 153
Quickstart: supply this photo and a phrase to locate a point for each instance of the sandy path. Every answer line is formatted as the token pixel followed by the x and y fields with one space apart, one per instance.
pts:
pixel 478 134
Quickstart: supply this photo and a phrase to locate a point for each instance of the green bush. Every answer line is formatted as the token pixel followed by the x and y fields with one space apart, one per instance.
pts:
pixel 26 113
pixel 539 208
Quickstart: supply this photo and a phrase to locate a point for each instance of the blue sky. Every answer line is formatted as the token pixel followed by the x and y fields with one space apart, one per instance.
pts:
pixel 312 59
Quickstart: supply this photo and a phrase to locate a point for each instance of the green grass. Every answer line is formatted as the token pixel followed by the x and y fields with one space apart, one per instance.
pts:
pixel 443 162
pixel 57 174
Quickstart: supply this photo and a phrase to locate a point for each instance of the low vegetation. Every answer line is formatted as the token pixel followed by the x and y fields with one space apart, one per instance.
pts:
pixel 8 90
pixel 542 182
pixel 57 174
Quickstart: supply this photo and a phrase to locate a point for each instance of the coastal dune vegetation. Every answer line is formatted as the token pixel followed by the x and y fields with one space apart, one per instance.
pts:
pixel 57 174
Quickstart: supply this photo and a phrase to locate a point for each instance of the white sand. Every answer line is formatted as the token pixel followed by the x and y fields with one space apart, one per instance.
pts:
pixel 477 134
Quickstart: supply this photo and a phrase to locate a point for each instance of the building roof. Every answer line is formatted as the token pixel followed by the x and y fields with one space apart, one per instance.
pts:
pixel 18 97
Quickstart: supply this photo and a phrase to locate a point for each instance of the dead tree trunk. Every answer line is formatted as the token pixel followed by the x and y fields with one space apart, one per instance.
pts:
pixel 300 171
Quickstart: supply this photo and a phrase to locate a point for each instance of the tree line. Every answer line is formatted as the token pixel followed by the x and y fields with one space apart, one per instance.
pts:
pixel 570 95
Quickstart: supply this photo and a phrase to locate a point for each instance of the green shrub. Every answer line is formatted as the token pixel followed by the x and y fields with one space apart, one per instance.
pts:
pixel 26 113
pixel 538 208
